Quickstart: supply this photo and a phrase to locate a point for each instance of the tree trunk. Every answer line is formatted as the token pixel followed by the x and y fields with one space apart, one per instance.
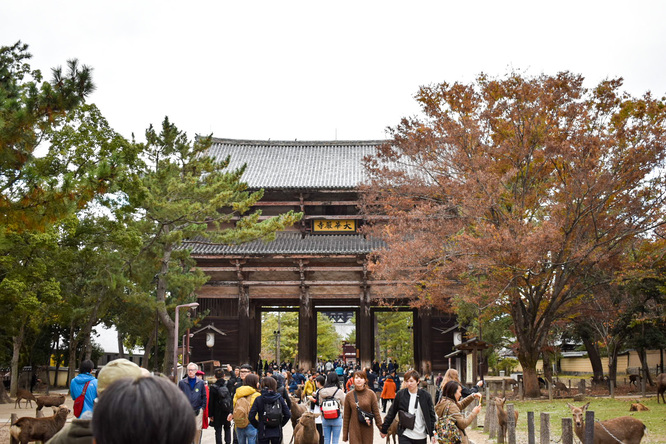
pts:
pixel 146 352
pixel 163 314
pixel 73 345
pixel 16 353
pixel 121 348
pixel 531 382
pixel 642 355
pixel 547 367
pixel 595 358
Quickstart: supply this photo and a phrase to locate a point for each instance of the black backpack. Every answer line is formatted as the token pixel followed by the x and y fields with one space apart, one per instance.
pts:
pixel 224 398
pixel 273 413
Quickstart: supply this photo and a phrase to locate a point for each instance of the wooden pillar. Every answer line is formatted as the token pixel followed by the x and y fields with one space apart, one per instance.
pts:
pixel 307 325
pixel 245 328
pixel 422 337
pixel 364 329
pixel 243 325
pixel 254 333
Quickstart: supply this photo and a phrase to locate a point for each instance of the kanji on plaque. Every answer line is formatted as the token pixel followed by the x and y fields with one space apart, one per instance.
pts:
pixel 334 226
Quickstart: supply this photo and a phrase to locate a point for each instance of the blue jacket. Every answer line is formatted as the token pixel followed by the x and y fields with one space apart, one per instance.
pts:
pixel 76 388
pixel 257 414
pixel 197 397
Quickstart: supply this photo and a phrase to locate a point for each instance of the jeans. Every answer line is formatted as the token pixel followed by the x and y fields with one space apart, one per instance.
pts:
pixel 248 435
pixel 332 429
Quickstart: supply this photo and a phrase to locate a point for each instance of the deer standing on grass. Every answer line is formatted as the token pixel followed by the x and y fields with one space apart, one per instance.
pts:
pixel 503 417
pixel 661 387
pixel 625 429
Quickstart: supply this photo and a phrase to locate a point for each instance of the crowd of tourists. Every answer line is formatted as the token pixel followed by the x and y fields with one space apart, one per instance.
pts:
pixel 247 405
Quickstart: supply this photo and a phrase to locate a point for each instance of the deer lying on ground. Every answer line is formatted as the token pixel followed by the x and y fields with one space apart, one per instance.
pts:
pixel 638 407
pixel 28 429
pixel 305 431
pixel 559 387
pixel 661 387
pixel 625 429
pixel 503 417
pixel 49 401
pixel 24 394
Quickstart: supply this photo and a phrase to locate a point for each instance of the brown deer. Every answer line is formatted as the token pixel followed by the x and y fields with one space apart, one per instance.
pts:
pixel 503 417
pixel 297 410
pixel 625 429
pixel 305 431
pixel 29 429
pixel 24 394
pixel 49 401
pixel 661 387
pixel 392 432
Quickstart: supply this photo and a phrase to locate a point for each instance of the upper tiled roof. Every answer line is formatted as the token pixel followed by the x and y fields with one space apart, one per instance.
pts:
pixel 298 164
pixel 290 243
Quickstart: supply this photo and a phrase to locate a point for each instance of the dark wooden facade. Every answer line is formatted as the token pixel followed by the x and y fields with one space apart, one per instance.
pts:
pixel 302 268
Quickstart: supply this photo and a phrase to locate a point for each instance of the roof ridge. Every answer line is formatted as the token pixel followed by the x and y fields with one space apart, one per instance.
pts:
pixel 263 143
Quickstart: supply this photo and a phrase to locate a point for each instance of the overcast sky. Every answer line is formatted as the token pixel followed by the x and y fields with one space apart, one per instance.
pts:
pixel 316 70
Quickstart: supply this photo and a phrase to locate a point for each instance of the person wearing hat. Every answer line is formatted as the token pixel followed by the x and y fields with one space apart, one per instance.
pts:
pixel 195 390
pixel 79 431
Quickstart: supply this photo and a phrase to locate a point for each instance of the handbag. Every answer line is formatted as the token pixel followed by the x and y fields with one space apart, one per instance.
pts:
pixel 447 430
pixel 407 419
pixel 363 416
pixel 80 401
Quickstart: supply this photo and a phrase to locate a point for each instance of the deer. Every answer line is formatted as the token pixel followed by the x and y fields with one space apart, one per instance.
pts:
pixel 661 387
pixel 24 395
pixel 28 429
pixel 297 410
pixel 625 429
pixel 305 431
pixel 392 432
pixel 503 417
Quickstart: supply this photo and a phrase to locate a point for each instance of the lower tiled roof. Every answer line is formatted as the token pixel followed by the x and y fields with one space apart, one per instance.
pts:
pixel 289 243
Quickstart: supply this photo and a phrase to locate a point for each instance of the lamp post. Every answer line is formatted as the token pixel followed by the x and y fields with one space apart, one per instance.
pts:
pixel 175 339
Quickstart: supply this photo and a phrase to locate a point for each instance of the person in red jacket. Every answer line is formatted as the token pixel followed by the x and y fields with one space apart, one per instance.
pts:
pixel 388 392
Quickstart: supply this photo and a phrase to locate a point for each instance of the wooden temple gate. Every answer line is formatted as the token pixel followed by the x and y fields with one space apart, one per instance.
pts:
pixel 322 262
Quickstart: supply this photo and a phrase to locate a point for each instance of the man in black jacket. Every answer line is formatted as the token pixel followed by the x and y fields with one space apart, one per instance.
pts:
pixel 413 402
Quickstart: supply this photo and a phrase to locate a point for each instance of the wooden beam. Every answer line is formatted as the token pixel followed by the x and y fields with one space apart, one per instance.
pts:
pixel 298 283
pixel 287 268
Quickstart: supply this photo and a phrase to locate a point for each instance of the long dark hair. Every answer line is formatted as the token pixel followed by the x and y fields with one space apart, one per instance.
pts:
pixel 332 380
pixel 450 389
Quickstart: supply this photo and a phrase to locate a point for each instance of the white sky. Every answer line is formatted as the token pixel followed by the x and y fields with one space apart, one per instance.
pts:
pixel 315 70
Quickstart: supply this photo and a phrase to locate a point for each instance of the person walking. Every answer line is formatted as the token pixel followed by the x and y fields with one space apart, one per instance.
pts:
pixel 219 406
pixel 269 413
pixel 388 392
pixel 360 398
pixel 414 403
pixel 452 405
pixel 195 390
pixel 333 396
pixel 84 385
pixel 452 375
pixel 245 395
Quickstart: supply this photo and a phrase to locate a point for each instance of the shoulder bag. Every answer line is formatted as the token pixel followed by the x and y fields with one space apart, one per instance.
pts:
pixel 447 430
pixel 407 419
pixel 362 414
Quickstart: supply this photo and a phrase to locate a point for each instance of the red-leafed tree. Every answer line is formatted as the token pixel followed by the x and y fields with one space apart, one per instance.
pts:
pixel 509 193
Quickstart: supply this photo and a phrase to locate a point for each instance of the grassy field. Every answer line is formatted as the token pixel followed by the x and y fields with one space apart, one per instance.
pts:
pixel 603 408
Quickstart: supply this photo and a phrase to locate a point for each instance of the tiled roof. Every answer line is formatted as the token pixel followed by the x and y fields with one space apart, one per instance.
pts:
pixel 290 243
pixel 298 164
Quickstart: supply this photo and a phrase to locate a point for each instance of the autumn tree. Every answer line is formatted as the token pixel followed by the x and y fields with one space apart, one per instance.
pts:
pixel 178 192
pixel 507 192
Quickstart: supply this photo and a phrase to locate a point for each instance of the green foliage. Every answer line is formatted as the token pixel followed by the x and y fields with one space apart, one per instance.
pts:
pixel 395 337
pixel 328 341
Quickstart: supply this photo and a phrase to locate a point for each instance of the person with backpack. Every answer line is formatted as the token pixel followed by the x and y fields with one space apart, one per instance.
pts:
pixel 243 400
pixel 269 413
pixel 220 405
pixel 330 399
